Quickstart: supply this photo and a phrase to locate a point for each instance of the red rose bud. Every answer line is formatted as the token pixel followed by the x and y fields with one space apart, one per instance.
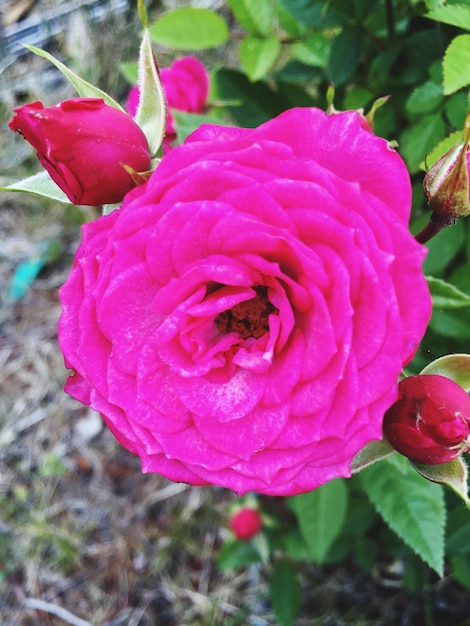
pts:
pixel 430 422
pixel 446 184
pixel 246 523
pixel 84 144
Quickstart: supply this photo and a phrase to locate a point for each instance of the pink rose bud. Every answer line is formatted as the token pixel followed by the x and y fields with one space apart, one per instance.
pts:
pixel 84 144
pixel 246 523
pixel 430 422
pixel 446 184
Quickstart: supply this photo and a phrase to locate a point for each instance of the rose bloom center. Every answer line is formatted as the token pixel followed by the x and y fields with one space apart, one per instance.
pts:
pixel 249 318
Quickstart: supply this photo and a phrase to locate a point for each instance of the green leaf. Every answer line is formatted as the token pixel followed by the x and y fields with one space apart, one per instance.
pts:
pixel 81 86
pixel 295 72
pixel 424 99
pixel 312 14
pixel 352 10
pixel 371 453
pixel 284 592
pixel 461 569
pixel 416 141
pixel 257 56
pixel 413 508
pixel 362 8
pixel 416 55
pixel 456 109
pixel 433 4
pixel 456 15
pixel 344 55
pixel 454 366
pixel 456 64
pixel 255 102
pixel 256 16
pixel 288 23
pixel 356 98
pixel 321 514
pixel 445 295
pixel 190 29
pixel 151 113
pixel 40 184
pixel 458 541
pixel 451 323
pixel 187 123
pixel 293 544
pixel 313 51
pixel 235 553
pixel 453 475
pixel 296 95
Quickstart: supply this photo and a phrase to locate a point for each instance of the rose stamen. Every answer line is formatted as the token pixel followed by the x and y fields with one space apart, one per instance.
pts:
pixel 249 318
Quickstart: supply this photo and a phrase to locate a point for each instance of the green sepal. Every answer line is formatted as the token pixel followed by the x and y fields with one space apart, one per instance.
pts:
pixel 453 475
pixel 371 453
pixel 40 184
pixel 81 86
pixel 453 366
pixel 151 113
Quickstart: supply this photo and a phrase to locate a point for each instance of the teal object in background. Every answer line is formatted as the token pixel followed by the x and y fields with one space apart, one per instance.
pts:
pixel 27 272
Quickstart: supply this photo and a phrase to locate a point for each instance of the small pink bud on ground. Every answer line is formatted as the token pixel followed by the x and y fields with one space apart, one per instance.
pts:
pixel 246 523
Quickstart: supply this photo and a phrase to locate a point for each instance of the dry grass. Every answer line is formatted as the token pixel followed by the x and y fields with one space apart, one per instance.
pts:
pixel 81 528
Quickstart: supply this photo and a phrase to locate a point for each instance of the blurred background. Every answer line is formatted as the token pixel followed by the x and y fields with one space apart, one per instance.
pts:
pixel 85 538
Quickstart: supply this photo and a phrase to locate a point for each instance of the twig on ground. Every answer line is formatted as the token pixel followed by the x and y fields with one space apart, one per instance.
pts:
pixel 48 607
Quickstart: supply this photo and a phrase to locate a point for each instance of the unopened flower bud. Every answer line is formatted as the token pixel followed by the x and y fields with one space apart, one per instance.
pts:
pixel 430 422
pixel 88 147
pixel 246 523
pixel 446 183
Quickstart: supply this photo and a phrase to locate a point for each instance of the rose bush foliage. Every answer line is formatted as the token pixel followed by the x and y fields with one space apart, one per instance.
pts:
pixel 243 318
pixel 83 143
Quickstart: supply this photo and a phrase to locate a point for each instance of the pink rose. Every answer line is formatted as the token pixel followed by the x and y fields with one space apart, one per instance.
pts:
pixel 246 523
pixel 430 423
pixel 186 86
pixel 243 318
pixel 83 144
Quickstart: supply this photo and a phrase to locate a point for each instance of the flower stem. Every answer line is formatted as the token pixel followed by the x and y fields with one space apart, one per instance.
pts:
pixel 389 18
pixel 434 226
